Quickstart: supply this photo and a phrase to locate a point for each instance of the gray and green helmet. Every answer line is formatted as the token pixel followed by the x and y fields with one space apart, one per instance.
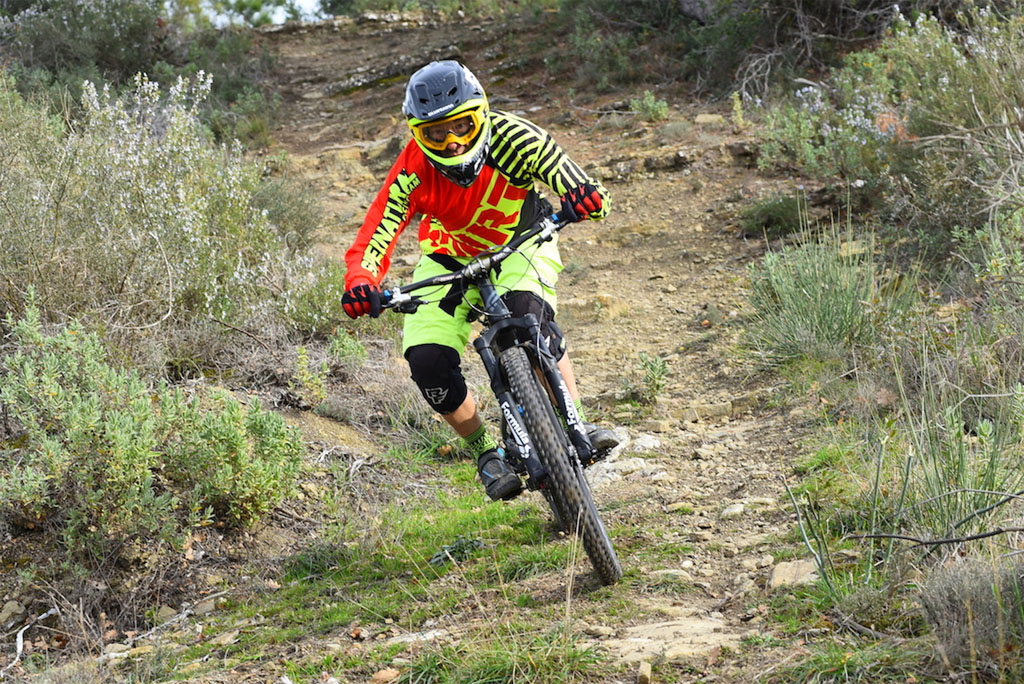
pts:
pixel 446 93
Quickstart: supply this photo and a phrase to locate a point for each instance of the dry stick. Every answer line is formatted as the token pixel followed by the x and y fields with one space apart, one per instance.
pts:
pixel 176 619
pixel 936 542
pixel 236 329
pixel 20 640
pixel 573 558
pixel 848 622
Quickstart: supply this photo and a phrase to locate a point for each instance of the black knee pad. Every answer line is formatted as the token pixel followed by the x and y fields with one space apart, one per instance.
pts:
pixel 522 303
pixel 437 372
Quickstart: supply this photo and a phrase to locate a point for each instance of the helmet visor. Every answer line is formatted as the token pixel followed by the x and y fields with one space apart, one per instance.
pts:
pixel 459 128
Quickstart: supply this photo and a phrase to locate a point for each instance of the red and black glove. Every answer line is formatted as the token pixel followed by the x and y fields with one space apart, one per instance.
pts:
pixel 361 300
pixel 580 203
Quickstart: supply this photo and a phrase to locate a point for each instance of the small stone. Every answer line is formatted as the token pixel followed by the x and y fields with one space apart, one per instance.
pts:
pixel 643 675
pixel 734 511
pixel 657 425
pixel 205 607
pixel 116 649
pixel 11 613
pixel 226 639
pixel 673 574
pixel 599 631
pixel 794 573
pixel 164 613
pixel 389 674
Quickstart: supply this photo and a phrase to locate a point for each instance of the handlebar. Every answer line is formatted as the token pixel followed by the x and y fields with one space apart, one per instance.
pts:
pixel 401 299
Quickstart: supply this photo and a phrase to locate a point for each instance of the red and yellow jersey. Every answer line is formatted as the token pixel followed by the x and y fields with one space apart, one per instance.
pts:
pixel 459 221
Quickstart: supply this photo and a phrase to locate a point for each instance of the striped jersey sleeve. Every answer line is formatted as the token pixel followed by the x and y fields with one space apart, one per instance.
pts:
pixel 525 152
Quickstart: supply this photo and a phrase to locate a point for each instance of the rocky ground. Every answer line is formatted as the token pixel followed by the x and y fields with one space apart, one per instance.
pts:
pixel 664 275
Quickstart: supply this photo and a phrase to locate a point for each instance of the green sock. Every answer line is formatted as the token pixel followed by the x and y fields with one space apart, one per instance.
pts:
pixel 578 403
pixel 479 442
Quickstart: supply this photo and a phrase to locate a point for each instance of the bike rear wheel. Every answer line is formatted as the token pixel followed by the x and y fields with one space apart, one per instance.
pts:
pixel 567 490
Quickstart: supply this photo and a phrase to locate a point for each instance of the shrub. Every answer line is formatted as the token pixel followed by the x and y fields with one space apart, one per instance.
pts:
pixel 774 217
pixel 821 299
pixel 649 107
pixel 110 462
pixel 136 224
pixel 346 352
pixel 976 609
pixel 923 120
pixel 119 37
pixel 237 106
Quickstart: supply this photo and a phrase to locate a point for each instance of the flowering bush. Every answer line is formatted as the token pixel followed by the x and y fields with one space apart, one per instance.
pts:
pixel 137 224
pixel 925 122
pixel 119 37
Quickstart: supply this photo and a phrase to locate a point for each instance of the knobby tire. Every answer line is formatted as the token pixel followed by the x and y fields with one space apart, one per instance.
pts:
pixel 568 492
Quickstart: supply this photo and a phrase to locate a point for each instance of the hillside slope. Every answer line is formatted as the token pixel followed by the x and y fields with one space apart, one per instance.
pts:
pixel 334 587
pixel 663 276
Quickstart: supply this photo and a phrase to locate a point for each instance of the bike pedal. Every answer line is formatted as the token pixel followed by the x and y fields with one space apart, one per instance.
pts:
pixel 598 455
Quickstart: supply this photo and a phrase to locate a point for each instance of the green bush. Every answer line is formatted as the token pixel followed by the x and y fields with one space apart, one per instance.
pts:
pixel 821 299
pixel 649 107
pixel 923 121
pixel 137 224
pixel 237 106
pixel 117 37
pixel 724 46
pixel 774 217
pixel 107 461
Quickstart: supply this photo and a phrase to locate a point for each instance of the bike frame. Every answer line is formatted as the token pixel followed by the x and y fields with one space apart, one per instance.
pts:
pixel 502 331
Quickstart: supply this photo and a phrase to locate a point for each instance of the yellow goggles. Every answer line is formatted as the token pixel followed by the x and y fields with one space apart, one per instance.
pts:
pixel 460 129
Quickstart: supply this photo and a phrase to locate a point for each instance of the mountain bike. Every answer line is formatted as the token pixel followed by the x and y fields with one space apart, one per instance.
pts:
pixel 546 443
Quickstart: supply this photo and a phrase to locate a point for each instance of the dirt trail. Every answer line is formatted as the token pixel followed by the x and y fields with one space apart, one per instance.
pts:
pixel 663 275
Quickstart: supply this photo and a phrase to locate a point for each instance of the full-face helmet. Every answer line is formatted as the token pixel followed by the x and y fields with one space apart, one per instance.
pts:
pixel 445 104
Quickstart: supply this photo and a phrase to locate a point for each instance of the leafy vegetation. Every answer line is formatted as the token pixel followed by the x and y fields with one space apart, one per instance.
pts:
pixel 110 463
pixel 51 48
pixel 135 222
pixel 920 468
pixel 919 124
pixel 140 247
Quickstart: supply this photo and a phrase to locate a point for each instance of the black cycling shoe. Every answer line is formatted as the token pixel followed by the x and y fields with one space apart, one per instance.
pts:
pixel 602 439
pixel 500 482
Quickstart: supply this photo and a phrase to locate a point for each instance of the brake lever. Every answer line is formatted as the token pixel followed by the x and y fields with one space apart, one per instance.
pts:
pixel 400 301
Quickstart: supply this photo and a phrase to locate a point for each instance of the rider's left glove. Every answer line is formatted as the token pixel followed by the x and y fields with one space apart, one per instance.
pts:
pixel 582 202
pixel 361 300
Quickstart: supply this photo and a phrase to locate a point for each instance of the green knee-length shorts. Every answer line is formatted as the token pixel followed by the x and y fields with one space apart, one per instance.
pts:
pixel 443 319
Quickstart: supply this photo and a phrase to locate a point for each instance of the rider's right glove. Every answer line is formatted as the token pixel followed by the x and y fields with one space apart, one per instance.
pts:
pixel 360 300
pixel 580 203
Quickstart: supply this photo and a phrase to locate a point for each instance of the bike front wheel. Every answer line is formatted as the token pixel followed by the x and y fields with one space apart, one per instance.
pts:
pixel 567 490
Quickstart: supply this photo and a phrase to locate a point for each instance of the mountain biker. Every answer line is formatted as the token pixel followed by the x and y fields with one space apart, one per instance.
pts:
pixel 470 171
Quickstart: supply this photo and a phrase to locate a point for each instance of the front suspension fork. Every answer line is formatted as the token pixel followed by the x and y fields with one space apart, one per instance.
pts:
pixel 549 367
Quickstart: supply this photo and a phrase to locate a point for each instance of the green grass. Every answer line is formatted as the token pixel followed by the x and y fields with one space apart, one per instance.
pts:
pixel 852 660
pixel 376 573
pixel 517 653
